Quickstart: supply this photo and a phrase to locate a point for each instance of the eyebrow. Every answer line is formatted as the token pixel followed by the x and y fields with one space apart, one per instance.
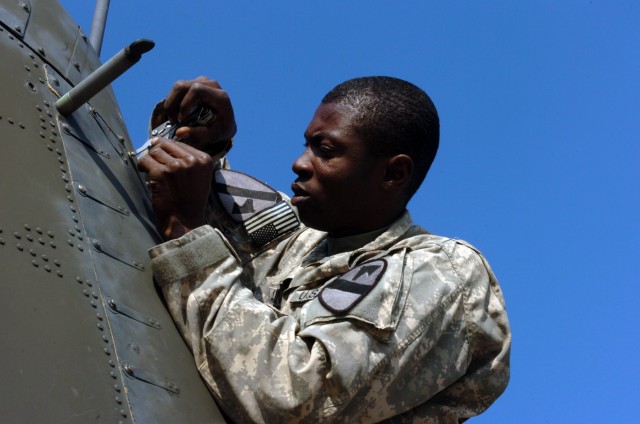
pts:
pixel 330 135
pixel 317 134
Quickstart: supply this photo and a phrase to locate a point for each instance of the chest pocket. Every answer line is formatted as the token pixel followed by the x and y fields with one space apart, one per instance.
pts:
pixel 371 294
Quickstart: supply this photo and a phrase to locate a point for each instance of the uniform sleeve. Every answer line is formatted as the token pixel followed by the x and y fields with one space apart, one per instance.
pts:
pixel 252 357
pixel 488 335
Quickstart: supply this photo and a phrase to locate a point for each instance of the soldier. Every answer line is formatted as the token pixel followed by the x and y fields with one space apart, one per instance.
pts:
pixel 355 315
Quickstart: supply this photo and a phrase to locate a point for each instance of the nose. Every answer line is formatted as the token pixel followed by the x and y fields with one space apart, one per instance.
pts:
pixel 302 166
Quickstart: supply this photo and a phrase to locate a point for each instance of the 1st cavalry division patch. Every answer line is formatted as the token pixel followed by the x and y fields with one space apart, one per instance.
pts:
pixel 342 294
pixel 257 206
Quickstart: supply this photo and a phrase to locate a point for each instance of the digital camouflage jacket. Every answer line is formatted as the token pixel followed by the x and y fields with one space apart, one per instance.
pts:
pixel 405 327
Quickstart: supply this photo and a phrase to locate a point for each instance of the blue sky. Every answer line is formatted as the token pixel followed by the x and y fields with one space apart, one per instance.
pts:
pixel 538 165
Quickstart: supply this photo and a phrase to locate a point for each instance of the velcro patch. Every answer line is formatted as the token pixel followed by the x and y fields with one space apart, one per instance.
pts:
pixel 241 195
pixel 342 294
pixel 271 223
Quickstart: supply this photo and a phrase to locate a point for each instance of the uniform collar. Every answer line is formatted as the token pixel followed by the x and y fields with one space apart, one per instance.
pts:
pixel 374 240
pixel 392 234
pixel 337 245
pixel 320 264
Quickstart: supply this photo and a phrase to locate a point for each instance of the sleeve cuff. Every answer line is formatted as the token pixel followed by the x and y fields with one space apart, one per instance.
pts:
pixel 198 249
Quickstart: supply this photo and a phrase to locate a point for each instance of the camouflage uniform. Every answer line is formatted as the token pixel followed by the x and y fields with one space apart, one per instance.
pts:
pixel 400 325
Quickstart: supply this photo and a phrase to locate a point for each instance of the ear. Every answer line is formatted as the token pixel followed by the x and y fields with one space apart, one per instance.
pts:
pixel 398 172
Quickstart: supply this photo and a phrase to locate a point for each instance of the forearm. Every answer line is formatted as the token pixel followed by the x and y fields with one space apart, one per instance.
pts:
pixel 182 265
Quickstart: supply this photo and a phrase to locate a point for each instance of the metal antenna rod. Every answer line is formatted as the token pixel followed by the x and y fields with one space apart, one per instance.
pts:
pixel 103 76
pixel 98 24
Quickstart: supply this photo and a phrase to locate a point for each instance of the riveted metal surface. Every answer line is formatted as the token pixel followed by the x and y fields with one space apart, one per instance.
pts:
pixel 121 308
pixel 54 36
pixel 84 140
pixel 41 310
pixel 82 62
pixel 15 15
pixel 114 135
pixel 118 256
pixel 62 345
pixel 84 191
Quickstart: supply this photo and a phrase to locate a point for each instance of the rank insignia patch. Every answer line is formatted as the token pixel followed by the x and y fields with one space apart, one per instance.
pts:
pixel 243 196
pixel 342 294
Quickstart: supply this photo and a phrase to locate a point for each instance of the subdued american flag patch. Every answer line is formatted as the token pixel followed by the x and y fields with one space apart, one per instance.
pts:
pixel 271 223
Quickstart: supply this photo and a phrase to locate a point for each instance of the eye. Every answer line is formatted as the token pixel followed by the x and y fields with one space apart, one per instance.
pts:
pixel 320 146
pixel 325 148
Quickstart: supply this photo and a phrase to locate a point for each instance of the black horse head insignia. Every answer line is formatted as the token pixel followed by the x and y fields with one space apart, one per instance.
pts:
pixel 343 293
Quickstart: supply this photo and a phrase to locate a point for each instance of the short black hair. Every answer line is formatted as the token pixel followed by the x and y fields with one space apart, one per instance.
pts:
pixel 394 117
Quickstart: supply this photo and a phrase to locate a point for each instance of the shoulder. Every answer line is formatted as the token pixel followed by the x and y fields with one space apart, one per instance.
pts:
pixel 458 268
pixel 445 258
pixel 304 239
pixel 417 238
pixel 295 247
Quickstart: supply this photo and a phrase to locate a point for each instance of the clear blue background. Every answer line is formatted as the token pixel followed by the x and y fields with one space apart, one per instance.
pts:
pixel 538 165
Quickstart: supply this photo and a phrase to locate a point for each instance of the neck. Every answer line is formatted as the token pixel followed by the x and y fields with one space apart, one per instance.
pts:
pixel 380 224
pixel 347 243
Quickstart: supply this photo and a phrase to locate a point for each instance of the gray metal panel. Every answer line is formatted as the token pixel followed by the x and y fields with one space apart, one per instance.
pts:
pixel 59 40
pixel 15 15
pixel 53 348
pixel 86 336
pixel 46 27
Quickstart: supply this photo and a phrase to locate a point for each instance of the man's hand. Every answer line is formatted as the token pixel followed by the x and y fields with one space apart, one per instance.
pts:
pixel 180 179
pixel 187 96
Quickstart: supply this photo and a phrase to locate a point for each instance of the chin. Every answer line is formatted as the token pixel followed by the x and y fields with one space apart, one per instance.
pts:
pixel 315 222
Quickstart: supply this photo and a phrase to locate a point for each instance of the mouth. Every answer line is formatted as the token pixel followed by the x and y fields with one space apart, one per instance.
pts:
pixel 299 194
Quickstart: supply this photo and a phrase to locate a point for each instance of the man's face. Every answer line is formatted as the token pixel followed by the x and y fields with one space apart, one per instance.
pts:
pixel 337 189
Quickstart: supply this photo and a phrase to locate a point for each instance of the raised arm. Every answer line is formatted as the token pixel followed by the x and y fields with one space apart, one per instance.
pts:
pixel 180 172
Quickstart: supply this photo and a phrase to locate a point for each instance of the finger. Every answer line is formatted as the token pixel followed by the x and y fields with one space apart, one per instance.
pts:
pixel 224 122
pixel 147 162
pixel 174 99
pixel 180 150
pixel 203 93
pixel 185 133
pixel 223 126
pixel 160 154
pixel 201 138
pixel 175 156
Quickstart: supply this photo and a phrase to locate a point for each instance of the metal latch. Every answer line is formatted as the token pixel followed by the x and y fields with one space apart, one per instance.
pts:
pixel 121 308
pixel 99 247
pixel 68 130
pixel 143 375
pixel 84 191
pixel 118 146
